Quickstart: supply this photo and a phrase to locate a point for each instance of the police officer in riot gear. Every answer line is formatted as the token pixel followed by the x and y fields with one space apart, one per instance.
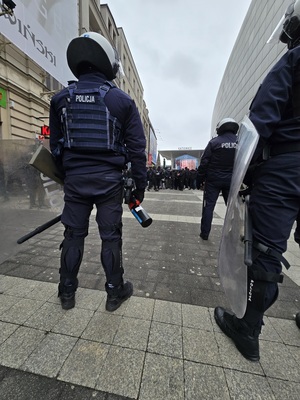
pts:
pixel 95 130
pixel 215 170
pixel 275 194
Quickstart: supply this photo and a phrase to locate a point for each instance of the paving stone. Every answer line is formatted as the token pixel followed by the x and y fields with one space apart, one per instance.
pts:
pixel 6 302
pixel 196 317
pixel 89 299
pixel 167 312
pixel 165 339
pixel 49 355
pixel 287 330
pixel 278 362
pixel 140 308
pixel 132 333
pixel 244 386
pixel 16 349
pixel 127 367
pixel 84 363
pixel 284 390
pixel 204 382
pixel 102 327
pixel 21 310
pixel 46 317
pixel 73 322
pixel 200 346
pixel 6 329
pixel 163 378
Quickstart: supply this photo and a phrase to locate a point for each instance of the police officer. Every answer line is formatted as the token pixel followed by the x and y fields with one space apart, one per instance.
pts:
pixel 95 130
pixel 275 194
pixel 215 170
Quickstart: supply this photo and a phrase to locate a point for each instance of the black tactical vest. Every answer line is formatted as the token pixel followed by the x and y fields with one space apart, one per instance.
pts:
pixel 88 124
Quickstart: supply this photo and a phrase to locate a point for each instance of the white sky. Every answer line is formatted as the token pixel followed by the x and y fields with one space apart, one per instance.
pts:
pixel 180 49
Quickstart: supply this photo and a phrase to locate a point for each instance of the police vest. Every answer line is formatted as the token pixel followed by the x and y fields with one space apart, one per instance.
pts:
pixel 88 124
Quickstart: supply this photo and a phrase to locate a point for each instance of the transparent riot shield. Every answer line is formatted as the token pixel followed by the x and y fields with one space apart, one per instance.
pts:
pixel 231 266
pixel 28 198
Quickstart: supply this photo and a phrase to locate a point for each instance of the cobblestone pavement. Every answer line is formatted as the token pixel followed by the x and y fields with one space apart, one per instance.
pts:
pixel 163 343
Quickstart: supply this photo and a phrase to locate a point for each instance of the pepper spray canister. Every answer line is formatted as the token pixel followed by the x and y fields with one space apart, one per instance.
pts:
pixel 140 214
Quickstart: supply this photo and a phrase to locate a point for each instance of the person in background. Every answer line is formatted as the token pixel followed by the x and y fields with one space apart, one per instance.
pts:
pixel 96 130
pixel 275 193
pixel 215 170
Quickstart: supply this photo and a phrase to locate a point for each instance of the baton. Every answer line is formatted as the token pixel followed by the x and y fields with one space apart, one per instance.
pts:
pixel 39 229
pixel 248 234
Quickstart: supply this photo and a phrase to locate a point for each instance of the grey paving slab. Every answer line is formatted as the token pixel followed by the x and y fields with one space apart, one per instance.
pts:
pixel 22 288
pixel 50 354
pixel 167 312
pixel 84 363
pixel 201 346
pixel 269 332
pixel 279 362
pixel 163 378
pixel 6 282
pixel 132 333
pixel 6 302
pixel 287 331
pixel 165 339
pixel 6 329
pixel 73 322
pixel 204 382
pixel 17 348
pixel 127 367
pixel 196 317
pixel 244 386
pixel 89 299
pixel 140 308
pixel 284 389
pixel 42 291
pixel 102 327
pixel 46 317
pixel 21 310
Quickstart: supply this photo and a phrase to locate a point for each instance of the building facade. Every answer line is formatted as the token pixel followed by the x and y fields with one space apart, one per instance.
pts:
pixel 250 60
pixel 26 88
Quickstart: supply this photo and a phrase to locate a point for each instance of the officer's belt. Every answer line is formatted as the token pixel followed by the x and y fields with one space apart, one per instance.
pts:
pixel 282 148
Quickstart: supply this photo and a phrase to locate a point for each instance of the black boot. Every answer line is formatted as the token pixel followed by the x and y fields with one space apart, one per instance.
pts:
pixel 67 297
pixel 244 338
pixel 117 295
pixel 298 319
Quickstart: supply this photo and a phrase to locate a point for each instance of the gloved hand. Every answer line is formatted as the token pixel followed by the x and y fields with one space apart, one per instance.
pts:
pixel 249 176
pixel 137 194
pixel 245 191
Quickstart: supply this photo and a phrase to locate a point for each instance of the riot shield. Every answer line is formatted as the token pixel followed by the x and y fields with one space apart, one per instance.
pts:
pixel 231 261
pixel 28 198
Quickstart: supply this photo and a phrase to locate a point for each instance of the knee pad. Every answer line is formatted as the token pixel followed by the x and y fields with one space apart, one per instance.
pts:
pixel 72 249
pixel 111 258
pixel 262 290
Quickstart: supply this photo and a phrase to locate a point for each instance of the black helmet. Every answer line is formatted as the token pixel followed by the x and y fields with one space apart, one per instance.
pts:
pixel 290 33
pixel 227 124
pixel 94 50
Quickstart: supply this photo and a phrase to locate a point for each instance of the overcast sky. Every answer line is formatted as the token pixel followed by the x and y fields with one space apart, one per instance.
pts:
pixel 180 49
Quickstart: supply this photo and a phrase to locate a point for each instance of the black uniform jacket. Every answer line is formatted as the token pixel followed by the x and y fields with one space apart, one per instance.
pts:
pixel 218 158
pixel 275 110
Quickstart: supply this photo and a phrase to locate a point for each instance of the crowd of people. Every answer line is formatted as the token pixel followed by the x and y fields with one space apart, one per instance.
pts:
pixel 167 178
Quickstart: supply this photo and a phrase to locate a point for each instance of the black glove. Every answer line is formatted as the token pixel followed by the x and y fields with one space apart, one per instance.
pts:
pixel 137 194
pixel 245 192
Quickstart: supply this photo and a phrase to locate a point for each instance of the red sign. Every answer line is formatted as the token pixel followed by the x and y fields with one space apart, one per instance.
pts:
pixel 45 131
